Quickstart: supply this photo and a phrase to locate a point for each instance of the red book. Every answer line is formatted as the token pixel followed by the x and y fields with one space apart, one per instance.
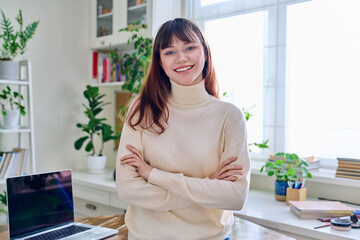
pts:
pixel 95 65
pixel 108 71
pixel 105 69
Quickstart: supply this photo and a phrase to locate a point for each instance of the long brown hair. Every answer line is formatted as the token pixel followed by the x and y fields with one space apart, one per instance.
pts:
pixel 150 108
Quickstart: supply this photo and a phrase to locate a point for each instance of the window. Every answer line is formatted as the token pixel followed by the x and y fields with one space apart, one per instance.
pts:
pixel 298 62
pixel 237 50
pixel 323 78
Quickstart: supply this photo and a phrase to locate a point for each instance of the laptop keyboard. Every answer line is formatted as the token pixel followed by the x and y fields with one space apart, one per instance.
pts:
pixel 60 233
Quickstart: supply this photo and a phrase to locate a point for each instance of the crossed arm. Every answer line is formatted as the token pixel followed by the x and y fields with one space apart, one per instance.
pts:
pixel 140 184
pixel 227 171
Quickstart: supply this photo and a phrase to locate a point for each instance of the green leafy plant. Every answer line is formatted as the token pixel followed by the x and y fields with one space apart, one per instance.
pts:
pixel 3 198
pixel 96 126
pixel 135 65
pixel 3 202
pixel 12 99
pixel 14 42
pixel 287 167
pixel 260 145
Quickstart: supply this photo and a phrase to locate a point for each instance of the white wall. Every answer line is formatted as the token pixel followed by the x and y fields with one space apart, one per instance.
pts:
pixel 61 67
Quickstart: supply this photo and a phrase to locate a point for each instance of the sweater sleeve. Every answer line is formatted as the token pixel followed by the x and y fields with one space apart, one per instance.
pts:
pixel 134 189
pixel 214 193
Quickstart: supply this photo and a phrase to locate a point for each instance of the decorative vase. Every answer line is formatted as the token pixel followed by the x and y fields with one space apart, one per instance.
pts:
pixel 96 164
pixel 8 70
pixel 11 119
pixel 280 190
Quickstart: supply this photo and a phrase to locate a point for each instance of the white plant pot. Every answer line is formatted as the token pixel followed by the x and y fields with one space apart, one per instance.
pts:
pixel 8 70
pixel 11 119
pixel 96 164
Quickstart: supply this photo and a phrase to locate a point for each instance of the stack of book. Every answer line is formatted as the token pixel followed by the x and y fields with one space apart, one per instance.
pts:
pixel 314 162
pixel 348 168
pixel 13 163
pixel 319 209
pixel 105 70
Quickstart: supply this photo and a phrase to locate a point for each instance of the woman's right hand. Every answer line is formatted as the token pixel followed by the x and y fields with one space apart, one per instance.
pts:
pixel 226 171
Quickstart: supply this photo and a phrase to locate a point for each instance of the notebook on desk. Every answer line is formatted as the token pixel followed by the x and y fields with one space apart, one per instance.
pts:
pixel 40 206
pixel 319 209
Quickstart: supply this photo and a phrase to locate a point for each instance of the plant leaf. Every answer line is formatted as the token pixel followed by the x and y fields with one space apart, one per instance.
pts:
pixel 78 144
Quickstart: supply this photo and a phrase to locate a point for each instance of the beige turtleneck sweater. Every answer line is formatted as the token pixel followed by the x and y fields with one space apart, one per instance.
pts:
pixel 179 201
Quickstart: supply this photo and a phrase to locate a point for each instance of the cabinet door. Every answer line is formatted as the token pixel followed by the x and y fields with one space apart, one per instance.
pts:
pixel 104 23
pixel 134 11
pixel 108 16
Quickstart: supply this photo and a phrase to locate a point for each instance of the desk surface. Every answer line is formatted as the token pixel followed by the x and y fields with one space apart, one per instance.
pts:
pixel 241 229
pixel 262 208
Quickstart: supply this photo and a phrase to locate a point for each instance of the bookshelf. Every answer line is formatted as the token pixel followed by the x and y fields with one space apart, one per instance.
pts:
pixel 109 84
pixel 26 130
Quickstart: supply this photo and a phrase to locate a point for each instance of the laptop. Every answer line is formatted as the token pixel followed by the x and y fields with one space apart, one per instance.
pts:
pixel 40 206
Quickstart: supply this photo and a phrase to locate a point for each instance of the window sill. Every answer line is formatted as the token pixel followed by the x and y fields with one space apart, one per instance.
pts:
pixel 325 175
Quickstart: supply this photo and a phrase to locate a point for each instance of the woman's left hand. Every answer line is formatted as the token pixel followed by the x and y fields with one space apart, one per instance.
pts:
pixel 136 160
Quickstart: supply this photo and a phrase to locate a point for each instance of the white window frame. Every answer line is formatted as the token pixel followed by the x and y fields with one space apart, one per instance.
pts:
pixel 274 59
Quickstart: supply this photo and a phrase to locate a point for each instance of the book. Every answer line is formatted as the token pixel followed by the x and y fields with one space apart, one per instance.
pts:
pixel 3 157
pixel 25 161
pixel 101 72
pixel 6 164
pixel 348 170
pixel 95 65
pixel 348 165
pixel 353 160
pixel 19 167
pixel 319 209
pixel 352 176
pixel 13 165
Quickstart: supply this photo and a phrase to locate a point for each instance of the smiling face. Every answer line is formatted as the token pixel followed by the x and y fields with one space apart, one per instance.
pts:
pixel 183 62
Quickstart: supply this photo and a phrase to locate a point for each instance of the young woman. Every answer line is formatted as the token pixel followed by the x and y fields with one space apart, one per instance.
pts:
pixel 183 161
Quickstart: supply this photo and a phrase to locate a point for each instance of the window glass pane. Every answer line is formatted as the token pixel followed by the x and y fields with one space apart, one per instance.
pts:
pixel 323 78
pixel 237 45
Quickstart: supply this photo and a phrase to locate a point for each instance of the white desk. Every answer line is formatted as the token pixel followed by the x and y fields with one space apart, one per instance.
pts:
pixel 262 208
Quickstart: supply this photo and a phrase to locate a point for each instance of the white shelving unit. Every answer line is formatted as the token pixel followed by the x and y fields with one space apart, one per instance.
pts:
pixel 24 84
pixel 108 84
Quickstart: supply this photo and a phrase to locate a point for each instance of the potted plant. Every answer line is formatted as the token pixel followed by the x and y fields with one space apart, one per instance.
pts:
pixel 286 168
pixel 11 107
pixel 94 127
pixel 13 43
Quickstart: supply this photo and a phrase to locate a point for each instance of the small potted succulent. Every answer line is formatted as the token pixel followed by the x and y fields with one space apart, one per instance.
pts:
pixel 11 107
pixel 94 127
pixel 13 43
pixel 287 167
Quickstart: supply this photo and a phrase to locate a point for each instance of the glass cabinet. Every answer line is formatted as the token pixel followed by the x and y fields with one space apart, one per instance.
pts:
pixel 104 18
pixel 136 10
pixel 108 16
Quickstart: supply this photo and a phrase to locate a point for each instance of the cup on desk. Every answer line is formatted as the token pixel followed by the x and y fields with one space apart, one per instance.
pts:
pixel 293 194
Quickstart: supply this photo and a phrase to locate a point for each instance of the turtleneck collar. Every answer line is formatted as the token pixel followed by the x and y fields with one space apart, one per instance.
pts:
pixel 188 95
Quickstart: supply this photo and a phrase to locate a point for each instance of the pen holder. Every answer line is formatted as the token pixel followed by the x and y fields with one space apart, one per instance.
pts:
pixel 295 195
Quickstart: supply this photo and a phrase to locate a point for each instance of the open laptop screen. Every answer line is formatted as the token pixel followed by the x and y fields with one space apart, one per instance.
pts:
pixel 40 201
